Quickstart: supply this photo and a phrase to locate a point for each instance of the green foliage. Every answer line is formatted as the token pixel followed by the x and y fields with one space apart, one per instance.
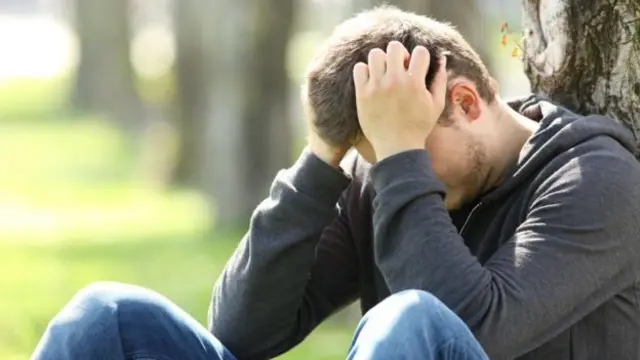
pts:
pixel 73 211
pixel 31 99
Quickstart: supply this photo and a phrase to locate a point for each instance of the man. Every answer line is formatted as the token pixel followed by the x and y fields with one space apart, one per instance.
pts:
pixel 514 235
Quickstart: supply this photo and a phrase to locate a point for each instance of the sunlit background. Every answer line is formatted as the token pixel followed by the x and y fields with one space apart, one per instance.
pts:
pixel 136 137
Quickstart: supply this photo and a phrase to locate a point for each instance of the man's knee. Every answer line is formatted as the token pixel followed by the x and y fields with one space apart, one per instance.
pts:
pixel 99 306
pixel 125 320
pixel 416 312
pixel 414 324
pixel 89 320
pixel 408 304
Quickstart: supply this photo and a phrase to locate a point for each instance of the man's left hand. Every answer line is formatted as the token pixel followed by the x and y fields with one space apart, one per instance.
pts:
pixel 395 109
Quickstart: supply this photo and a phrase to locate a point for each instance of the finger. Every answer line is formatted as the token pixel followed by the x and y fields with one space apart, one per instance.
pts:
pixel 395 58
pixel 419 63
pixel 438 88
pixel 377 64
pixel 360 77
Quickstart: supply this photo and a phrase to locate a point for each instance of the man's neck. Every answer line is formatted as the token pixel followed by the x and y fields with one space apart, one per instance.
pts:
pixel 515 130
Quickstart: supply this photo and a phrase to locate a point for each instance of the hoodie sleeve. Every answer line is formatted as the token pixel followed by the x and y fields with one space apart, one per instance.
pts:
pixel 576 249
pixel 294 267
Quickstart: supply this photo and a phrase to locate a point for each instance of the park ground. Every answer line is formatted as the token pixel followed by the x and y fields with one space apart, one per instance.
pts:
pixel 73 211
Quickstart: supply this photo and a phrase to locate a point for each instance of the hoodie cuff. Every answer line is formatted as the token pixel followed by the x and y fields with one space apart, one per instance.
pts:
pixel 317 179
pixel 407 168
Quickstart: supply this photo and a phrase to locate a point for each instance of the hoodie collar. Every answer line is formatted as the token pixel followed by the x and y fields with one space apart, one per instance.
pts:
pixel 559 131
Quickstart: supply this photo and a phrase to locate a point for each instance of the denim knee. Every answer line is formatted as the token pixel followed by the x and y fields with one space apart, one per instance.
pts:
pixel 96 307
pixel 88 321
pixel 408 305
pixel 416 313
pixel 409 300
pixel 86 308
pixel 413 324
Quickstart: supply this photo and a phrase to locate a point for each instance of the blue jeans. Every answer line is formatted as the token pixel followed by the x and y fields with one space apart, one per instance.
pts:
pixel 111 321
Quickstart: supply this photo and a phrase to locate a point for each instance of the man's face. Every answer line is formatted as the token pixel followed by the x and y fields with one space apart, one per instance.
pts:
pixel 457 159
pixel 458 144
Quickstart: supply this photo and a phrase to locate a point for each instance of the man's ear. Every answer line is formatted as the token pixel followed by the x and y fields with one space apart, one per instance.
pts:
pixel 464 99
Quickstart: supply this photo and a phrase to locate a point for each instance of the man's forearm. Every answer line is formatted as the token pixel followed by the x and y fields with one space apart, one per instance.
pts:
pixel 257 298
pixel 537 277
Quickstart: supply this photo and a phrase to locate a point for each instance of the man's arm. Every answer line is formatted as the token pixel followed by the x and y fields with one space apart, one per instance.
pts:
pixel 576 249
pixel 294 267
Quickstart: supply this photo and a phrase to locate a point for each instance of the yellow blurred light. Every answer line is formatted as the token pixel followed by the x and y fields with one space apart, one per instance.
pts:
pixel 153 51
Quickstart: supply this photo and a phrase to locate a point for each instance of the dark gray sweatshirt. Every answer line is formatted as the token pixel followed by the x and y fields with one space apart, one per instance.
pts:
pixel 545 266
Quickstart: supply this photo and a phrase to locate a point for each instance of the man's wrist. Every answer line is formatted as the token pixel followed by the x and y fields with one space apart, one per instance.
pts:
pixel 384 151
pixel 329 156
pixel 311 176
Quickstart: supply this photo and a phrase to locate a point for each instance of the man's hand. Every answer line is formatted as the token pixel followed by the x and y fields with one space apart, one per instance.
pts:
pixel 395 109
pixel 331 155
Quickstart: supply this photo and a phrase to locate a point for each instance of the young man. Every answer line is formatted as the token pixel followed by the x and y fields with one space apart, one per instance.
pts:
pixel 516 234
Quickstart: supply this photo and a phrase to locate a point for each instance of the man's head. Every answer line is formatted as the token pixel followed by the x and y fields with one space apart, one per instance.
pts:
pixel 458 144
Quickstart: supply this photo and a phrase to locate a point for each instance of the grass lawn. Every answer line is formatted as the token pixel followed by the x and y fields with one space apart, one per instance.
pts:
pixel 72 212
pixel 37 279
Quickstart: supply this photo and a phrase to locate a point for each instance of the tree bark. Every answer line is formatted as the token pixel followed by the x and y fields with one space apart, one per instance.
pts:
pixel 105 77
pixel 190 110
pixel 250 132
pixel 585 55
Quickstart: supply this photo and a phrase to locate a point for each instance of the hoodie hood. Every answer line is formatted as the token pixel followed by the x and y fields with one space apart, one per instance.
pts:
pixel 560 130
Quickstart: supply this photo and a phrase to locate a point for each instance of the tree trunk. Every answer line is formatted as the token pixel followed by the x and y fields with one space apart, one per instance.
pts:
pixel 105 78
pixel 585 55
pixel 463 14
pixel 250 133
pixel 190 109
pixel 466 17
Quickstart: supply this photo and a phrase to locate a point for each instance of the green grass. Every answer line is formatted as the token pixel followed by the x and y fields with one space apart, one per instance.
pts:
pixel 37 279
pixel 73 211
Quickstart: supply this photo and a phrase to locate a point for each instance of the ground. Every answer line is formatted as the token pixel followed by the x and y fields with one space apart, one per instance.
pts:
pixel 73 212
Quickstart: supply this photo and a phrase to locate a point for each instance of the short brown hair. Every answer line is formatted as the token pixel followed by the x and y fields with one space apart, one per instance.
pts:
pixel 329 88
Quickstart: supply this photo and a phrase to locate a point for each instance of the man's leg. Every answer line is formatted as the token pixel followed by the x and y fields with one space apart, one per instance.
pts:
pixel 414 325
pixel 111 321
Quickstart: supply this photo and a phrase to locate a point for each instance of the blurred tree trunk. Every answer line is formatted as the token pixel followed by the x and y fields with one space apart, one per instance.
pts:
pixel 250 132
pixel 422 7
pixel 360 5
pixel 465 15
pixel 105 77
pixel 190 110
pixel 585 55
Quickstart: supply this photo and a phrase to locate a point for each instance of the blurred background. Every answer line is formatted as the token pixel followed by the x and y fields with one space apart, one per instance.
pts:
pixel 137 136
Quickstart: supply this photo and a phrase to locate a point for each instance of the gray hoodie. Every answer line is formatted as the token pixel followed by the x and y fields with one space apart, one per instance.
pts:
pixel 545 266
